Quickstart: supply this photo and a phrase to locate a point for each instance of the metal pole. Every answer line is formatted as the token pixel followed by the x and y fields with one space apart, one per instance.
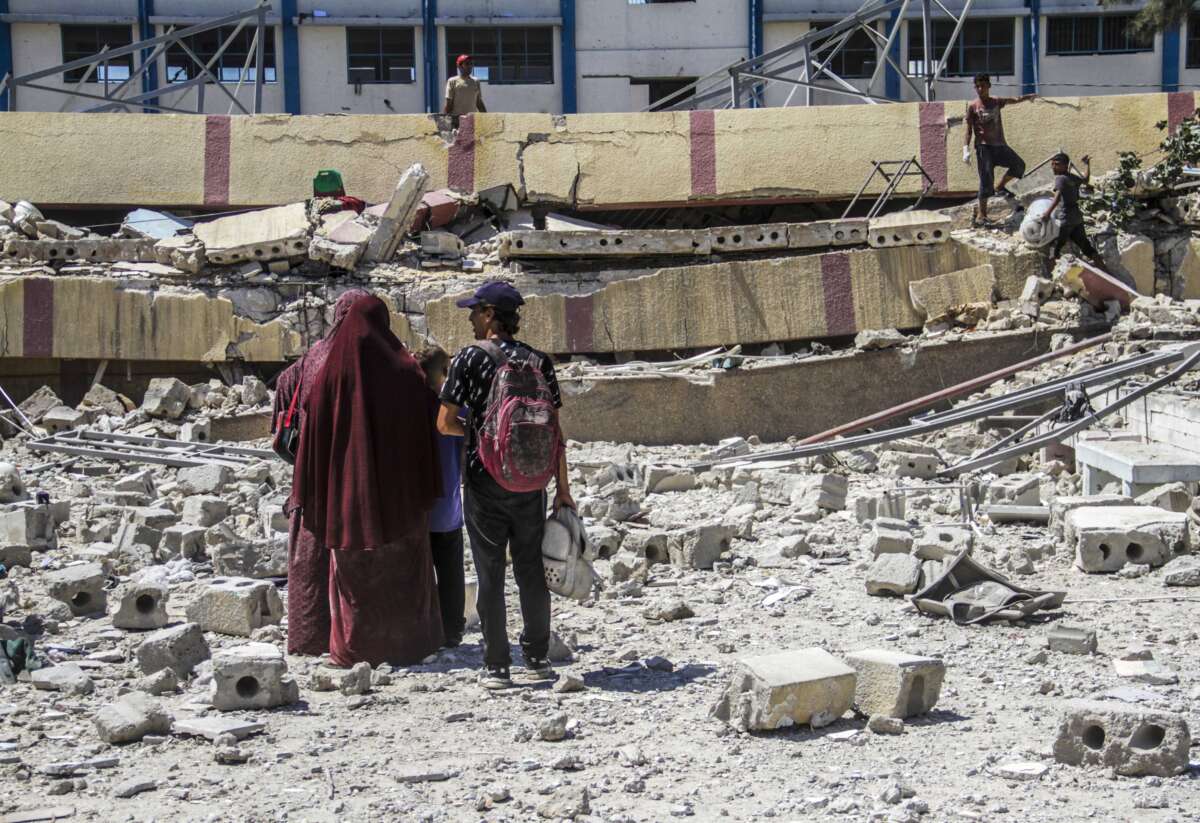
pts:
pixel 965 387
pixel 808 92
pixel 16 408
pixel 927 27
pixel 258 58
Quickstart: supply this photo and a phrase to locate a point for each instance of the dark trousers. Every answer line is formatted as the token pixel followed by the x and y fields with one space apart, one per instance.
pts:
pixel 497 518
pixel 447 550
pixel 1077 235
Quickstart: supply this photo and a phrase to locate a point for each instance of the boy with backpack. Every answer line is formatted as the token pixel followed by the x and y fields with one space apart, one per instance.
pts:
pixel 514 447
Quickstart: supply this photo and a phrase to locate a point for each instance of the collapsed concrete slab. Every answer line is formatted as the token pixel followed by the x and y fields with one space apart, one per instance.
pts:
pixel 253 676
pixel 260 236
pixel 1139 467
pixel 1108 537
pixel 397 217
pixel 1131 740
pixel 895 684
pixel 937 296
pixel 85 250
pixel 775 691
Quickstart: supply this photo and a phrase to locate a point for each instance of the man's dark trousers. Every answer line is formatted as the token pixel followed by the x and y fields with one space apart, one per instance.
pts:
pixel 447 550
pixel 496 518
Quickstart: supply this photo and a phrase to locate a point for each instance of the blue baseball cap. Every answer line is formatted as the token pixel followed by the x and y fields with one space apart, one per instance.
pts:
pixel 493 293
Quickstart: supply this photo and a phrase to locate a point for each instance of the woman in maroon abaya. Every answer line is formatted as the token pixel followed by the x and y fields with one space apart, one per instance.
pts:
pixel 308 560
pixel 367 474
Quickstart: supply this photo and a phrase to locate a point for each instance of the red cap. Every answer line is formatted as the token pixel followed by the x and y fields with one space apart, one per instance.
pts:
pixel 462 58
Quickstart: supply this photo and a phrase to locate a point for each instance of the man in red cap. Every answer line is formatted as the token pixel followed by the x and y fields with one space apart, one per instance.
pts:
pixel 462 92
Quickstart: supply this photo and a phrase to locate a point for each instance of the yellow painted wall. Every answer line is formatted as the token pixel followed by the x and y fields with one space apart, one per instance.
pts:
pixel 600 159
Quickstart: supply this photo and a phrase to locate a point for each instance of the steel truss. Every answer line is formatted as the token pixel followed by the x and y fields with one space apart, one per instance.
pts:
pixel 116 96
pixel 893 173
pixel 132 448
pixel 805 62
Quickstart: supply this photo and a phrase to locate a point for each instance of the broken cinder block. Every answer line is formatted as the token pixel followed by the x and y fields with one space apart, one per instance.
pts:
pixel 80 587
pixel 774 691
pixel 179 648
pixel 1108 537
pixel 236 606
pixel 166 397
pixel 700 546
pixel 897 574
pixel 908 464
pixel 1129 739
pixel 1071 640
pixel 253 676
pixel 142 606
pixel 895 684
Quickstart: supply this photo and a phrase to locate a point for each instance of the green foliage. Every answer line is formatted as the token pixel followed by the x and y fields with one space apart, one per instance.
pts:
pixel 1114 199
pixel 1157 15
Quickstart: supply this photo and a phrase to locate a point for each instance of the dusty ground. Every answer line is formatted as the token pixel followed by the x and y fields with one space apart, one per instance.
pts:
pixel 432 745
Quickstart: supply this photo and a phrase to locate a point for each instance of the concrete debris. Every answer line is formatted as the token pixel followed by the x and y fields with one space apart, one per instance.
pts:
pixel 68 678
pixel 939 297
pixel 1182 571
pixel 141 606
pixel 131 718
pixel 80 587
pixel 399 215
pixel 259 236
pixel 236 606
pixel 774 691
pixel 1108 537
pixel 906 228
pixel 894 684
pixel 1139 664
pixel 167 397
pixel 179 648
pixel 1071 639
pixel 896 574
pixel 1130 740
pixel 870 339
pixel 253 676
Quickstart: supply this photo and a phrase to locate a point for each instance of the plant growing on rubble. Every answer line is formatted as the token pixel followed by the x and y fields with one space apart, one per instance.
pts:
pixel 1114 198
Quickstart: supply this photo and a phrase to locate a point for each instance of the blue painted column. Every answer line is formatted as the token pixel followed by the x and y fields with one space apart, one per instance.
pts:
pixel 1170 59
pixel 1031 58
pixel 430 39
pixel 756 46
pixel 570 90
pixel 145 32
pixel 891 77
pixel 291 57
pixel 6 54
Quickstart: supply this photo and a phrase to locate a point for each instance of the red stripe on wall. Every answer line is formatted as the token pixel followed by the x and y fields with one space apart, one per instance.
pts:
pixel 839 294
pixel 216 160
pixel 578 314
pixel 933 143
pixel 1180 106
pixel 704 152
pixel 460 172
pixel 38 331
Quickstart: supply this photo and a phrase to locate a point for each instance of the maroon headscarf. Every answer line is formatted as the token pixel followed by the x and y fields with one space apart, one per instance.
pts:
pixel 367 472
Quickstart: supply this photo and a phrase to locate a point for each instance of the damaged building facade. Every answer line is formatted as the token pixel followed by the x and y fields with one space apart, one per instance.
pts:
pixel 864 487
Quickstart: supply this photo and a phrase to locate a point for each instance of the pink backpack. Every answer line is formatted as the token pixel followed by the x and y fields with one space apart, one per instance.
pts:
pixel 519 439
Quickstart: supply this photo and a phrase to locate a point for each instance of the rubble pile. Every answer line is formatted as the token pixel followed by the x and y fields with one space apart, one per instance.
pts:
pixel 833 609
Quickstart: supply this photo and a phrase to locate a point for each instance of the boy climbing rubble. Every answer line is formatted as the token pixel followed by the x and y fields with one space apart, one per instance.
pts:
pixel 986 126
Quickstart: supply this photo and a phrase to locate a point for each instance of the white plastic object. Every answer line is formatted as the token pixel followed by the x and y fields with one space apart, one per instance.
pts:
pixel 1034 231
pixel 967 155
pixel 565 556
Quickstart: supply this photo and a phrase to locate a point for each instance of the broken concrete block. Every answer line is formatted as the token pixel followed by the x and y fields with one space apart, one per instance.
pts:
pixel 879 504
pixel 208 479
pixel 1108 537
pixel 1129 739
pixel 895 684
pixel 184 252
pixel 874 339
pixel 889 536
pixel 1016 490
pixel 397 218
pixel 1182 571
pixel 35 406
pixel 1139 664
pixel 822 491
pixel 69 678
pixel 204 510
pixel 253 676
pixel 650 544
pixel 80 587
pixel 938 296
pixel 130 718
pixel 142 606
pixel 196 431
pixel 12 487
pixel 153 517
pixel 259 236
pixel 774 691
pixel 909 228
pixel 16 556
pixel 263 558
pixel 699 547
pixel 908 464
pixel 1071 639
pixel 166 397
pixel 183 540
pixel 1174 497
pixel 897 574
pixel 180 648
pixel 140 482
pixel 63 418
pixel 663 479
pixel 29 524
pixel 940 541
pixel 604 542
pixel 236 606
